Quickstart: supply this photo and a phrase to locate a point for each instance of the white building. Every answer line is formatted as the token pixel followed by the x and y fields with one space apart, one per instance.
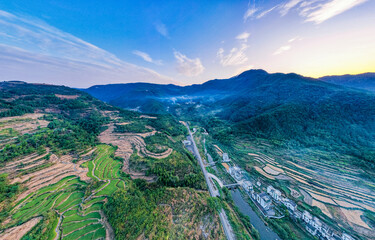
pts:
pixel 247 185
pixel 186 142
pixel 264 200
pixel 254 195
pixel 306 216
pixel 311 229
pixel 236 172
pixel 275 194
pixel 225 157
pixel 291 205
pixel 316 223
pixel 326 231
pixel 297 214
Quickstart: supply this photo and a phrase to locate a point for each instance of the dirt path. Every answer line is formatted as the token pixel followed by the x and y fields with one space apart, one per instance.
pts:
pixel 109 233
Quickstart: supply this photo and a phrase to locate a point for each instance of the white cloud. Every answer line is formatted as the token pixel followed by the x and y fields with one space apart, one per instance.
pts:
pixel 243 36
pixel 294 39
pixel 331 9
pixel 318 11
pixel 289 5
pixel 187 66
pixel 282 49
pixel 146 57
pixel 32 50
pixel 249 13
pixel 288 46
pixel 264 13
pixel 236 56
pixel 162 29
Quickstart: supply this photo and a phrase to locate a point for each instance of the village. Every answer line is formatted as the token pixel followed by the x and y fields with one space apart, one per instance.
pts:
pixel 270 201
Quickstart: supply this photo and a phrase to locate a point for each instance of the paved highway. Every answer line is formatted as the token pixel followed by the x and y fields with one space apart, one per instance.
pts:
pixel 214 193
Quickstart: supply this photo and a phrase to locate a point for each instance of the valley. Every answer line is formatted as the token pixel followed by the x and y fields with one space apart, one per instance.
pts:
pixel 302 137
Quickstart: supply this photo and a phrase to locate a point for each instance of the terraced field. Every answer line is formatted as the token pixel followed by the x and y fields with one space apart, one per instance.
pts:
pixel 340 192
pixel 79 210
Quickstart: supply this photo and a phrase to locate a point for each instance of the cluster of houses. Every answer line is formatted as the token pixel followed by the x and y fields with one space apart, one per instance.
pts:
pixel 226 157
pixel 312 223
pixel 317 228
pixel 236 173
pixel 265 200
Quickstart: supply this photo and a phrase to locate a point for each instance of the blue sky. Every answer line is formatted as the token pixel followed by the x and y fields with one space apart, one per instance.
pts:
pixel 82 43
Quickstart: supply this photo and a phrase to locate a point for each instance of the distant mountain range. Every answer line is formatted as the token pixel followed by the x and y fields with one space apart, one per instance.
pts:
pixel 290 108
pixel 364 81
pixel 156 98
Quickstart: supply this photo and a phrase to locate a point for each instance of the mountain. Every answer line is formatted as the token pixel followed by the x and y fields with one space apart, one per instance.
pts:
pixel 364 81
pixel 287 108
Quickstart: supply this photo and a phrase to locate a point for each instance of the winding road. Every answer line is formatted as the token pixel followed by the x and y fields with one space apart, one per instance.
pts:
pixel 214 193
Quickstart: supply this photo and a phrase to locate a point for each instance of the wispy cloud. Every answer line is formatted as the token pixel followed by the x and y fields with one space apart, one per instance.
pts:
pixel 250 12
pixel 162 29
pixel 288 46
pixel 318 11
pixel 33 46
pixel 187 66
pixel 264 13
pixel 331 9
pixel 289 5
pixel 243 36
pixel 282 49
pixel 146 57
pixel 236 56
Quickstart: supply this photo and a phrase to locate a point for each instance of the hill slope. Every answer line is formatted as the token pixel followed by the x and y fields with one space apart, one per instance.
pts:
pixel 286 108
pixel 72 166
pixel 365 81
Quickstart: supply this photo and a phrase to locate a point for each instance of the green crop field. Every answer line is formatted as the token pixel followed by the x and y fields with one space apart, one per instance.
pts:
pixel 68 197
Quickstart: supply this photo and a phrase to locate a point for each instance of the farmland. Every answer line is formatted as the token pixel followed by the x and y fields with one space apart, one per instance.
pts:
pixel 338 193
pixel 78 206
pixel 63 166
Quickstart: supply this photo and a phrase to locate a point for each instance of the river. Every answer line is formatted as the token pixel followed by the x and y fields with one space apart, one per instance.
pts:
pixel 265 232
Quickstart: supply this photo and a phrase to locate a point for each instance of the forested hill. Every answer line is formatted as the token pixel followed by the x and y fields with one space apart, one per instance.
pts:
pixel 286 108
pixel 364 81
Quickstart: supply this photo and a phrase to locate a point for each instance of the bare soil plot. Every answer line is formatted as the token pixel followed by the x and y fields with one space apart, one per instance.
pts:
pixel 354 217
pixel 61 169
pixel 30 160
pixel 259 170
pixel 66 96
pixel 219 151
pixel 322 207
pixel 253 154
pixel 321 198
pixel 299 179
pixel 23 124
pixel 25 116
pixel 146 116
pixel 346 204
pixel 16 233
pixel 125 143
pixel 270 169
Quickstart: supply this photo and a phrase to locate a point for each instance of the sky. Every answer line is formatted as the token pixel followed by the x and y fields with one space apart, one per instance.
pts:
pixel 94 42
